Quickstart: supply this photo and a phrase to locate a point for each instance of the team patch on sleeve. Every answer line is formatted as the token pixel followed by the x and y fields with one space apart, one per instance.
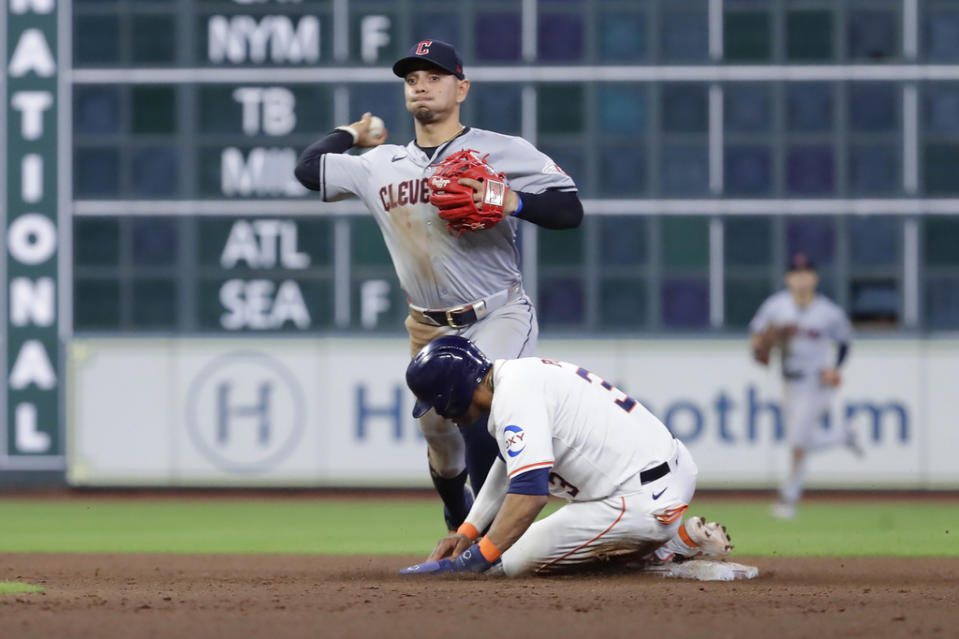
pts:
pixel 515 440
pixel 553 168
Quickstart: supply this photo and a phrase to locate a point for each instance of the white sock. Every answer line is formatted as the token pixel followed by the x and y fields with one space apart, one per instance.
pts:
pixel 823 438
pixel 792 488
pixel 677 546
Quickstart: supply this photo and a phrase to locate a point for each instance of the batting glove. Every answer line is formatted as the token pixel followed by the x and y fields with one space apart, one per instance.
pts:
pixel 471 560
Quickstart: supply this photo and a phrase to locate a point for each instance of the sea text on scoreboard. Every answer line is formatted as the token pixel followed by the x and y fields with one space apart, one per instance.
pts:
pixel 261 303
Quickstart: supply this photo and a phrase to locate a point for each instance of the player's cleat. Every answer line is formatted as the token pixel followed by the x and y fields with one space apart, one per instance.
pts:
pixel 783 510
pixel 709 539
pixel 695 538
pixel 453 520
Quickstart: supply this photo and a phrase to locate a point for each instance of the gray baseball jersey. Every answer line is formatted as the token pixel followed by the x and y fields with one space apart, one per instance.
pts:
pixel 818 325
pixel 435 268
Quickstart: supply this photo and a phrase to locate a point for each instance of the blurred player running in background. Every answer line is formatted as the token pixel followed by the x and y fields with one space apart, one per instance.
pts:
pixel 561 430
pixel 805 325
pixel 467 283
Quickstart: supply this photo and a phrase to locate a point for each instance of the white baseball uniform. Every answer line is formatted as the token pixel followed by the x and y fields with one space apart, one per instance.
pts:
pixel 439 270
pixel 819 326
pixel 596 441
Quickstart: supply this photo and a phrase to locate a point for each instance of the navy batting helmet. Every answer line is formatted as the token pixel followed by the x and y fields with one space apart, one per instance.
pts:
pixel 444 374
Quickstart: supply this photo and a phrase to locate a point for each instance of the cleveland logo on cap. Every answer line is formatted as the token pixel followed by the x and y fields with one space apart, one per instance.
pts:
pixel 434 52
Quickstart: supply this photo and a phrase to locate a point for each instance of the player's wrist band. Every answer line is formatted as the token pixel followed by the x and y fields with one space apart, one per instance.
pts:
pixel 520 207
pixel 472 559
pixel 468 530
pixel 350 130
pixel 489 550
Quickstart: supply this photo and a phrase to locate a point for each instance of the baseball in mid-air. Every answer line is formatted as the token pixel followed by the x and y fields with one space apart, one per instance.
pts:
pixel 377 126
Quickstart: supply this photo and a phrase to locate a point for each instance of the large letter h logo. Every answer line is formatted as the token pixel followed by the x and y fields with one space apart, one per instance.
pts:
pixel 225 412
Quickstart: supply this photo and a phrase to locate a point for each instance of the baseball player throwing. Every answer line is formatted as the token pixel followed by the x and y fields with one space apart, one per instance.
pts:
pixel 448 205
pixel 561 430
pixel 805 325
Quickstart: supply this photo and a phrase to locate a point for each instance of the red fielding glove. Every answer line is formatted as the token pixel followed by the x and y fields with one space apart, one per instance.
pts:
pixel 456 202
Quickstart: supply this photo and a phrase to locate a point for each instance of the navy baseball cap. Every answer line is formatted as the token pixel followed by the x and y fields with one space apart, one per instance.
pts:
pixel 800 262
pixel 436 52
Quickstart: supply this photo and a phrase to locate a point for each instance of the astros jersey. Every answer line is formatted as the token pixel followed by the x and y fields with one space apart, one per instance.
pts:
pixel 435 268
pixel 819 324
pixel 594 438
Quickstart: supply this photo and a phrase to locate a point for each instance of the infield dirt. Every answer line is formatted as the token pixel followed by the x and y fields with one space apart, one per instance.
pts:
pixel 190 596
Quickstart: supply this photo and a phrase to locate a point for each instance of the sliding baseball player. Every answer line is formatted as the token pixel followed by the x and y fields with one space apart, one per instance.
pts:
pixel 565 431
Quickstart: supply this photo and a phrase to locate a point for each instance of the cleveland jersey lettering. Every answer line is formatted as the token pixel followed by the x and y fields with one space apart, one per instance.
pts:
pixel 406 192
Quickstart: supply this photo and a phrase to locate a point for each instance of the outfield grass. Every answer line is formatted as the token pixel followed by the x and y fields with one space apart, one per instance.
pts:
pixel 840 529
pixel 392 526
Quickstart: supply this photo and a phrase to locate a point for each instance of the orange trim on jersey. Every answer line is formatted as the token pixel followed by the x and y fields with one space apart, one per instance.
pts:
pixel 469 530
pixel 670 515
pixel 578 548
pixel 536 465
pixel 489 550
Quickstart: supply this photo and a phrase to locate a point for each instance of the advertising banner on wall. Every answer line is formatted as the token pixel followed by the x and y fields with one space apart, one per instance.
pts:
pixel 30 437
pixel 336 412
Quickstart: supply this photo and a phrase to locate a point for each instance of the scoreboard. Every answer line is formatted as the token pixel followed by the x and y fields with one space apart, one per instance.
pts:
pixel 148 180
pixel 149 148
pixel 187 119
pixel 217 102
